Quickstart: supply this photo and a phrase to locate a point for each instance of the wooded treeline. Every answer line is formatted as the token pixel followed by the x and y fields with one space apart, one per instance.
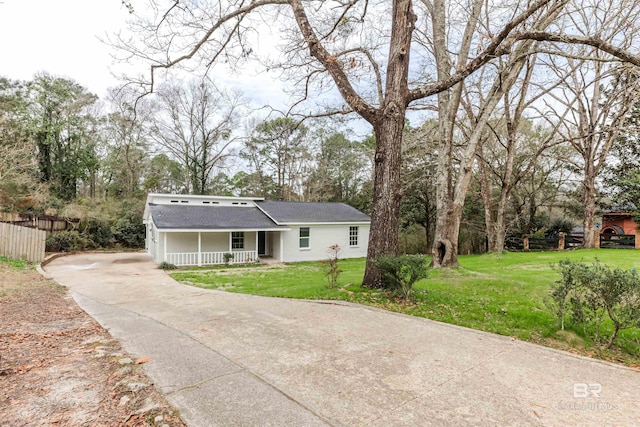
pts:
pixel 526 110
pixel 482 70
pixel 65 151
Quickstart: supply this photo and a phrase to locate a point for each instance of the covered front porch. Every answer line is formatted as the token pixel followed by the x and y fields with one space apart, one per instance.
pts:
pixel 199 248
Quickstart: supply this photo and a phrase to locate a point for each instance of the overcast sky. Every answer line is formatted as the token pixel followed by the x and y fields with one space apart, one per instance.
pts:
pixel 61 38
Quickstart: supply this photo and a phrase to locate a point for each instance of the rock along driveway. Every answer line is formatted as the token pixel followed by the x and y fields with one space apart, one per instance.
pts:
pixel 239 360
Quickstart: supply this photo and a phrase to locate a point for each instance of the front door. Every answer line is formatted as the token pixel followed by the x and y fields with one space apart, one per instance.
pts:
pixel 261 242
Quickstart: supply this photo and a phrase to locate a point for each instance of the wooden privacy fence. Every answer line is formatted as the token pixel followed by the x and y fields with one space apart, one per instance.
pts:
pixel 22 243
pixel 49 223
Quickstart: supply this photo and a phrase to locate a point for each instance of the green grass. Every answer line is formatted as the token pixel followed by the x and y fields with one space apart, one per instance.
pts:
pixel 500 294
pixel 15 263
pixel 299 280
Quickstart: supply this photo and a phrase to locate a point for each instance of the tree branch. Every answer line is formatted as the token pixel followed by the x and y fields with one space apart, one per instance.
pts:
pixel 219 23
pixel 332 65
pixel 497 47
pixel 594 41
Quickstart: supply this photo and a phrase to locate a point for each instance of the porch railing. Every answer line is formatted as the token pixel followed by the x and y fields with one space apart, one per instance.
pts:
pixel 210 258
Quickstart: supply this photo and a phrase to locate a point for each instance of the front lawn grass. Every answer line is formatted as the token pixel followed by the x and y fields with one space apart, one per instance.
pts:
pixel 501 294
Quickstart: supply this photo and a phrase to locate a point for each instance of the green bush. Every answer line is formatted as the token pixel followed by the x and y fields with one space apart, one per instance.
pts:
pixel 68 241
pixel 166 266
pixel 98 231
pixel 591 294
pixel 129 232
pixel 560 225
pixel 228 257
pixel 412 240
pixel 400 273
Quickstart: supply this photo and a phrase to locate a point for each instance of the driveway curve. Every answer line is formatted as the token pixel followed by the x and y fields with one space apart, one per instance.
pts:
pixel 239 360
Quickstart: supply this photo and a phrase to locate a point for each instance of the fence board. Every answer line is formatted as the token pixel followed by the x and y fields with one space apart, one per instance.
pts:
pixel 617 241
pixel 22 243
pixel 543 244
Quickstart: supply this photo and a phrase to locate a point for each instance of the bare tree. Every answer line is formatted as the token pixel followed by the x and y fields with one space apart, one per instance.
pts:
pixel 279 150
pixel 453 182
pixel 511 148
pixel 127 142
pixel 195 124
pixel 364 50
pixel 597 97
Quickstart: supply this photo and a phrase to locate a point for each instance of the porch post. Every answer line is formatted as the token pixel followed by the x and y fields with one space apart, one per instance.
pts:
pixel 257 245
pixel 281 247
pixel 230 240
pixel 164 258
pixel 199 248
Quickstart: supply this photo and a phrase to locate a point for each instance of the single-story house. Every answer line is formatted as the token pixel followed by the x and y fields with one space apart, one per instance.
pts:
pixel 200 230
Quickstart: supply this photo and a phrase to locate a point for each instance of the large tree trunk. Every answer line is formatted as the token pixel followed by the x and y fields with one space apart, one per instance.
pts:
pixel 500 226
pixel 507 185
pixel 445 248
pixel 450 197
pixel 487 199
pixel 589 206
pixel 388 127
pixel 383 237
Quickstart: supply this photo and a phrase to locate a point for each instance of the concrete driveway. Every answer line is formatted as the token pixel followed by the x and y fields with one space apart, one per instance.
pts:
pixel 239 360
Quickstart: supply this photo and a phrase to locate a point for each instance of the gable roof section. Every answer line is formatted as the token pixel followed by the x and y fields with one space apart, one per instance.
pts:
pixel 311 212
pixel 209 218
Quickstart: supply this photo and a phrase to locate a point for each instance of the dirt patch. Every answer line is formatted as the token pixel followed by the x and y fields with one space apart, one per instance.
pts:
pixel 58 367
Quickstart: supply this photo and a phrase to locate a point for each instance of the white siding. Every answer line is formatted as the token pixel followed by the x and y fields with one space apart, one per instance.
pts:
pixel 249 241
pixel 320 238
pixel 194 200
pixel 152 241
pixel 160 247
pixel 215 242
pixel 182 242
pixel 273 244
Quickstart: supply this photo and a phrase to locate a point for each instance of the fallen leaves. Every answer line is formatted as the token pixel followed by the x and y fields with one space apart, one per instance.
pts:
pixel 50 373
pixel 142 360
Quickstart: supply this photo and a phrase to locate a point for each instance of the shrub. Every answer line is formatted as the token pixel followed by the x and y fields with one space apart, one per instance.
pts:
pixel 400 273
pixel 332 269
pixel 227 257
pixel 166 266
pixel 98 231
pixel 411 240
pixel 559 225
pixel 129 232
pixel 590 294
pixel 68 241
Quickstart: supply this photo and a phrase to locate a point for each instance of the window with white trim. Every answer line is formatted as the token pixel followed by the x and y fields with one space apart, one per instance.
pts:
pixel 353 236
pixel 237 240
pixel 304 237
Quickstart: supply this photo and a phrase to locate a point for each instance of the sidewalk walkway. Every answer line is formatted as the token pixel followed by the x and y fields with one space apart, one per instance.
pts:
pixel 239 360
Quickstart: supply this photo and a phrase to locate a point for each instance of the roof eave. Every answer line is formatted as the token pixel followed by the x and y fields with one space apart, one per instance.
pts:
pixel 217 230
pixel 330 223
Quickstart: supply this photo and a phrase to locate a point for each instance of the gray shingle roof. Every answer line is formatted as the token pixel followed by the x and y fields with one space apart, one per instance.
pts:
pixel 209 217
pixel 311 212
